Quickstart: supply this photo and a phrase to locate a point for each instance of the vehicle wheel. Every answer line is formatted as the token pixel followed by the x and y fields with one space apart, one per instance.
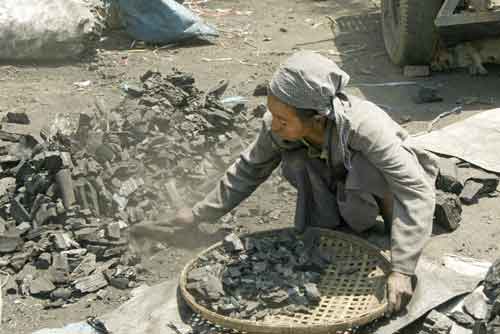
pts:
pixel 410 35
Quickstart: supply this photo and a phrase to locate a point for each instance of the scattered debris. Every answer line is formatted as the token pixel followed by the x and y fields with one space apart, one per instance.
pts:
pixel 211 60
pixel 10 286
pixel 98 325
pixel 133 90
pixel 428 95
pixel 261 89
pixel 413 71
pixel 83 84
pixel 17 117
pixel 260 110
pixel 218 90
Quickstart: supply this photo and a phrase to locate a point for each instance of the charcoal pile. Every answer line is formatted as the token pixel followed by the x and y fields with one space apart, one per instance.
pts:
pixel 479 313
pixel 67 200
pixel 254 277
pixel 460 183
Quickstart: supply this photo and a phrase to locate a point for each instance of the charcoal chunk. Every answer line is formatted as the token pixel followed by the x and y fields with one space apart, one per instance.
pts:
pixel 113 231
pixel 493 326
pixel 471 191
pixel 312 292
pixel 41 286
pixel 492 281
pixel 413 71
pixel 475 304
pixel 11 288
pixel 260 110
pixel 9 242
pixel 448 212
pixel 91 283
pixel 448 179
pixel 17 117
pixel 18 260
pixel 495 308
pixel 276 298
pixel 463 319
pixel 18 211
pixel 44 261
pixel 233 243
pixel 437 323
pixel 428 95
pixel 23 228
pixel 261 89
pixel 209 288
pixel 61 293
pixel 134 90
pixel 480 327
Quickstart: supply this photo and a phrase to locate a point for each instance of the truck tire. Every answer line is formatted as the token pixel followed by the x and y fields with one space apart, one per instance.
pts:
pixel 410 35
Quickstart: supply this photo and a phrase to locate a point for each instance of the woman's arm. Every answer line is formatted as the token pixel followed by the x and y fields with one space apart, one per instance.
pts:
pixel 413 193
pixel 253 167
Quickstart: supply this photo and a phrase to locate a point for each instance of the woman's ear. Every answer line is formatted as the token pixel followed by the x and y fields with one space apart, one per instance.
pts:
pixel 319 120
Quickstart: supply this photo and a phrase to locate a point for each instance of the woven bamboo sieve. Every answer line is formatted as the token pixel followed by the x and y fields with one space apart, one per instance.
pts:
pixel 353 290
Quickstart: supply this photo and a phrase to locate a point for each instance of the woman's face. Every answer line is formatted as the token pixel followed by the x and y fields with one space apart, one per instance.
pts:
pixel 286 123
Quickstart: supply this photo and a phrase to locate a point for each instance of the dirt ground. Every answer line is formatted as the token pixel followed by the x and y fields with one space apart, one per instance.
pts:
pixel 255 37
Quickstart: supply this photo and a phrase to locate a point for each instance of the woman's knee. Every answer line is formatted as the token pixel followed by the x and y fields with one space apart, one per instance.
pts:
pixel 359 210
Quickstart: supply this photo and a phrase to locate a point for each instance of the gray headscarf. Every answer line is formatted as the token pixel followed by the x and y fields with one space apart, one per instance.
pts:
pixel 308 80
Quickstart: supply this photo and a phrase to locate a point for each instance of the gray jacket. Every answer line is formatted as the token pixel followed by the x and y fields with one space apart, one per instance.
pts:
pixel 409 172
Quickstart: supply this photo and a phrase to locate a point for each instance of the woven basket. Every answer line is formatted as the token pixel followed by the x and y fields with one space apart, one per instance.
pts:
pixel 353 290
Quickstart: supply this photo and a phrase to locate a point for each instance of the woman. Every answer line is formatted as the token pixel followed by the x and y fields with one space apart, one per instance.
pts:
pixel 346 157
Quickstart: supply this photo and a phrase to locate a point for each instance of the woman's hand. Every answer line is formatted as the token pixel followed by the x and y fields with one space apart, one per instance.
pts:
pixel 400 291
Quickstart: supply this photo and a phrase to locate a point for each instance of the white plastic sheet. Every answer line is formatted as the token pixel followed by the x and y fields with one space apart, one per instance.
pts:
pixel 150 310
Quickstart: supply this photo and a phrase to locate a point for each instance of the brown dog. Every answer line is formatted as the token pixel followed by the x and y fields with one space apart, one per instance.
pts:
pixel 470 55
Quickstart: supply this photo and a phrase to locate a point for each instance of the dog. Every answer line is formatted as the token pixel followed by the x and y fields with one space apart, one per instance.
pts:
pixel 471 55
pixel 480 5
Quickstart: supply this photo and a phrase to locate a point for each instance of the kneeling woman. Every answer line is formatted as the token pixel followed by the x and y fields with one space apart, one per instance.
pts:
pixel 347 158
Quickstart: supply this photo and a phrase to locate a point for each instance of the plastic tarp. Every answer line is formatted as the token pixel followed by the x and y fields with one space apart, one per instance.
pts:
pixel 155 309
pixel 437 284
pixel 474 140
pixel 162 21
pixel 47 29
pixel 151 310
